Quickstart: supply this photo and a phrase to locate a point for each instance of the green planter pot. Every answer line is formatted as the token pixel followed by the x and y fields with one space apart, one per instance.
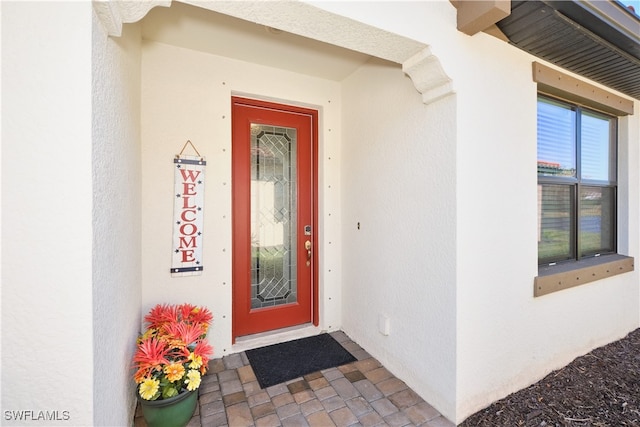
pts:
pixel 173 412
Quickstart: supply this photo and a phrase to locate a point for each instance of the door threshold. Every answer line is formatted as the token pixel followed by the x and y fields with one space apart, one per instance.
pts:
pixel 262 339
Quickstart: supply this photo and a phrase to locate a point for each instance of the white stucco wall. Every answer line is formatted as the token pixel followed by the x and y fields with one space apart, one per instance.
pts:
pixel 47 326
pixel 505 339
pixel 516 339
pixel 454 278
pixel 399 186
pixel 186 95
pixel 116 220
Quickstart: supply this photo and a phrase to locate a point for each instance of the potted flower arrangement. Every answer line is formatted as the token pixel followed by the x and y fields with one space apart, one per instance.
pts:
pixel 171 357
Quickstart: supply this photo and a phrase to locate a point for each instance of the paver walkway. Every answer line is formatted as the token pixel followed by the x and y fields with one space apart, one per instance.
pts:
pixel 362 393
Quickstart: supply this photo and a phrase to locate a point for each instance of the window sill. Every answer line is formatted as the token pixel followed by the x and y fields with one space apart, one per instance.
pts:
pixel 567 275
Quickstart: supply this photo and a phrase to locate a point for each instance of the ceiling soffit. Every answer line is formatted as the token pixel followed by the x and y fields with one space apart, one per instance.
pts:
pixel 306 20
pixel 222 35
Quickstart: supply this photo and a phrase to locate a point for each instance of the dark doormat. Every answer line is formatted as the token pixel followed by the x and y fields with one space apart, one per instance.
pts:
pixel 278 363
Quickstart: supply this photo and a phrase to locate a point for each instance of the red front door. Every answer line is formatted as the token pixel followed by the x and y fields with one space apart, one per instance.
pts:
pixel 274 216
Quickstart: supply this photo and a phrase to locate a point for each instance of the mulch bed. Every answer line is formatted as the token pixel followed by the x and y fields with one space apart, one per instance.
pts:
pixel 601 388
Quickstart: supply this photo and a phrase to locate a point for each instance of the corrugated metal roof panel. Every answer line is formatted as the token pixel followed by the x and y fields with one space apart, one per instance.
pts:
pixel 547 33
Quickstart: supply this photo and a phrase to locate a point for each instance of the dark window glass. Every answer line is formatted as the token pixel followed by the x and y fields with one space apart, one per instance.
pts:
pixel 576 182
pixel 597 214
pixel 556 222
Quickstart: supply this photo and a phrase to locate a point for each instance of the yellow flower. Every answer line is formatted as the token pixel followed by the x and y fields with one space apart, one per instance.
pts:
pixel 193 380
pixel 174 372
pixel 148 388
pixel 196 361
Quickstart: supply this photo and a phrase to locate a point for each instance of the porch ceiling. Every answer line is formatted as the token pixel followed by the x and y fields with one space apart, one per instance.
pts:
pixel 596 39
pixel 218 34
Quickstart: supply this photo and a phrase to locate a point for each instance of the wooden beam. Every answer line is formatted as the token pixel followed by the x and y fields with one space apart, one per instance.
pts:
pixel 496 32
pixel 547 283
pixel 556 83
pixel 477 15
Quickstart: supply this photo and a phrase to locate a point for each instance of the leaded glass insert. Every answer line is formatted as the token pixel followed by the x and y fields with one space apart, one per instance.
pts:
pixel 273 216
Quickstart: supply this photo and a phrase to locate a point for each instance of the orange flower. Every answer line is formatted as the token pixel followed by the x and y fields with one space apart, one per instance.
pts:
pixel 184 332
pixel 173 340
pixel 151 355
pixel 185 311
pixel 203 350
pixel 161 314
pixel 202 316
pixel 174 371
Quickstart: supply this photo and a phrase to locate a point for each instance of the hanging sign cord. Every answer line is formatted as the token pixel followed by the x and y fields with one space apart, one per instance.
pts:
pixel 192 146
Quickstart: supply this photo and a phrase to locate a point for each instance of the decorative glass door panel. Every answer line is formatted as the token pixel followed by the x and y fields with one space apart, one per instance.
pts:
pixel 273 216
pixel 274 170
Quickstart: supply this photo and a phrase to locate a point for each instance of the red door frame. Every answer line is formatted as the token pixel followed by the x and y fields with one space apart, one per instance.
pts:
pixel 244 319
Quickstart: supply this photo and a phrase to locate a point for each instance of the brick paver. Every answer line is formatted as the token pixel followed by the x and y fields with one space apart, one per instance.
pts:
pixel 362 393
pixel 405 398
pixel 320 419
pixel 343 417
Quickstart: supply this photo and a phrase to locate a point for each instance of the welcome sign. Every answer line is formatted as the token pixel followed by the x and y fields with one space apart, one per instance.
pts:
pixel 188 214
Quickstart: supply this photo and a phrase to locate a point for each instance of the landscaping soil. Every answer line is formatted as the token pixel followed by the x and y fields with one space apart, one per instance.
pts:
pixel 601 388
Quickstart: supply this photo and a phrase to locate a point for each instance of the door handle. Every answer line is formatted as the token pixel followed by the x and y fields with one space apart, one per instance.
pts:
pixel 307 246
